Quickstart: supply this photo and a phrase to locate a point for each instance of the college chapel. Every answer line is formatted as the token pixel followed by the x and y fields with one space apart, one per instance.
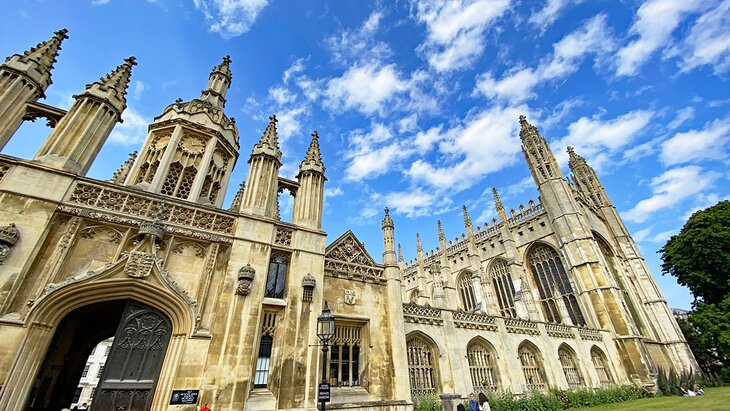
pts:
pixel 223 304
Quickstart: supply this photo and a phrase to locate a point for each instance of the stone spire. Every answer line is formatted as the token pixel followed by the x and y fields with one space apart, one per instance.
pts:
pixel 113 86
pixel 467 222
pixel 387 221
pixel 419 247
pixel 236 203
pixel 269 142
pixel 218 83
pixel 400 254
pixel 389 255
pixel 498 204
pixel 76 140
pixel 539 157
pixel 121 174
pixel 24 79
pixel 442 237
pixel 309 201
pixel 313 158
pixel 586 179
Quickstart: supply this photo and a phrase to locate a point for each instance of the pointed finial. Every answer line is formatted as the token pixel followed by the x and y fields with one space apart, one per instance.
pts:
pixel 113 86
pixel 313 158
pixel 419 247
pixel 499 206
pixel 400 254
pixel 236 203
pixel 527 130
pixel 387 221
pixel 467 222
pixel 224 68
pixel 574 160
pixel 269 142
pixel 121 174
pixel 38 61
pixel 442 237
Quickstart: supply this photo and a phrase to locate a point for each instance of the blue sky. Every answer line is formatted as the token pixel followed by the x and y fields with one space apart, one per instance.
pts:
pixel 416 102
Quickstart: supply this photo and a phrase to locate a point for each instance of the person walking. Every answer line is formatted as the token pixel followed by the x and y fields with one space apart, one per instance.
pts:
pixel 473 403
pixel 484 402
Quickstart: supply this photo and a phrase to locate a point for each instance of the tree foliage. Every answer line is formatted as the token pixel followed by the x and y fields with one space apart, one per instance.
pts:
pixel 699 256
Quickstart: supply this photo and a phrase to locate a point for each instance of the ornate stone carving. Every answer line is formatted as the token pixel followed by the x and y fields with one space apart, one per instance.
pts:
pixel 308 283
pixel 245 278
pixel 350 297
pixel 519 326
pixel 139 264
pixel 346 257
pixel 4 168
pixel 476 321
pixel 422 314
pixel 283 236
pixel 9 235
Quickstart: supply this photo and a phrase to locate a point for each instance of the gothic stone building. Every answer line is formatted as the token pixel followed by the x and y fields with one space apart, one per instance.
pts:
pixel 226 301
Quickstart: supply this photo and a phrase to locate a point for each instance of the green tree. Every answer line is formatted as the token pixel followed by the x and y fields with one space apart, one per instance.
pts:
pixel 699 257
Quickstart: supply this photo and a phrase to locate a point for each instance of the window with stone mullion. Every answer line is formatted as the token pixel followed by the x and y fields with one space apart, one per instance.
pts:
pixel 466 290
pixel 276 278
pixel 504 287
pixel 549 274
pixel 344 363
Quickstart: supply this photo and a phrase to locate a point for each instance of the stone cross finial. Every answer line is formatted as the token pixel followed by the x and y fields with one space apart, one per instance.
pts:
pixel 419 247
pixel 272 118
pixel 442 237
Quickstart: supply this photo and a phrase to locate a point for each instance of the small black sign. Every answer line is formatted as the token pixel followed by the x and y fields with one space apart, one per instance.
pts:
pixel 184 397
pixel 324 392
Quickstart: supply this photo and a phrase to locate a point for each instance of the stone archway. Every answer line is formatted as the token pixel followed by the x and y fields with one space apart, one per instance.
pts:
pixel 132 369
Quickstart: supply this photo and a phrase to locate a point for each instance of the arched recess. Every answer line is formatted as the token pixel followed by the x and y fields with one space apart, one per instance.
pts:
pixel 465 287
pixel 423 367
pixel 569 363
pixel 553 284
pixel 532 366
pixel 504 287
pixel 483 369
pixel 613 267
pixel 598 358
pixel 413 299
pixel 110 285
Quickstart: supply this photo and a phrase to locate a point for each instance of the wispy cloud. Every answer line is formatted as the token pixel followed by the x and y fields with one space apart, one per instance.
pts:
pixel 456 30
pixel 365 88
pixel 546 14
pixel 652 29
pixel 230 18
pixel 138 89
pixel 373 153
pixel 360 44
pixel 671 188
pixel 133 131
pixel 708 42
pixel 568 53
pixel 710 142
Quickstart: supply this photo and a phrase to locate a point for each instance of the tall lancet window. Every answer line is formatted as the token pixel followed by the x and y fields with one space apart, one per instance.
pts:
pixel 263 361
pixel 570 368
pixel 466 292
pixel 422 367
pixel 504 288
pixel 482 366
pixel 553 284
pixel 184 166
pixel 276 278
pixel 601 366
pixel 531 367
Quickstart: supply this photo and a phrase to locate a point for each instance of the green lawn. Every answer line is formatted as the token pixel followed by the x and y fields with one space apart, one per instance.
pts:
pixel 715 399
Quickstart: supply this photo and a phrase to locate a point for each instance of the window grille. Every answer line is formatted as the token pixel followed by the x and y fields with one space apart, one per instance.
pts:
pixel 276 278
pixel 345 356
pixel 421 368
pixel 550 276
pixel 263 362
pixel 482 367
pixel 570 369
pixel 466 292
pixel 531 369
pixel 101 371
pixel 504 288
pixel 599 363
pixel 86 371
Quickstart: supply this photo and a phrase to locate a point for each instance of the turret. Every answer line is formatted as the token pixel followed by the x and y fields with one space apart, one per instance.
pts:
pixel 467 223
pixel 441 235
pixel 309 200
pixel 586 180
pixel 78 137
pixel 23 79
pixel 540 159
pixel 191 147
pixel 389 256
pixel 499 206
pixel 261 192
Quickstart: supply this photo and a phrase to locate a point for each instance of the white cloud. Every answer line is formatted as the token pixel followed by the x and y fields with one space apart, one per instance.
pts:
pixel 708 143
pixel 456 29
pixel 99 2
pixel 289 122
pixel 653 27
pixel 708 42
pixel 414 202
pixel 486 142
pixel 647 236
pixel 359 45
pixel 683 115
pixel 373 154
pixel 366 88
pixel 596 139
pixel 295 68
pixel 333 192
pixel 132 131
pixel 138 89
pixel 548 13
pixel 518 84
pixel 230 18
pixel 669 189
pixel 281 95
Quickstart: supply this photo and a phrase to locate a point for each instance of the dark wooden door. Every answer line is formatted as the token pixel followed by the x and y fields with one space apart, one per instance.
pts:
pixel 133 366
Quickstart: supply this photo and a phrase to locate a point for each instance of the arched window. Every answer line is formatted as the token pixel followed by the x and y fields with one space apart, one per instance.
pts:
pixel 570 368
pixel 552 282
pixel 421 367
pixel 611 263
pixel 531 368
pixel 482 367
pixel 504 288
pixel 601 366
pixel 276 279
pixel 414 297
pixel 466 292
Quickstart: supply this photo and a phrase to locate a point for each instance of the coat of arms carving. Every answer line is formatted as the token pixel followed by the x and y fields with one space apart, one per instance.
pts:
pixel 139 264
pixel 350 297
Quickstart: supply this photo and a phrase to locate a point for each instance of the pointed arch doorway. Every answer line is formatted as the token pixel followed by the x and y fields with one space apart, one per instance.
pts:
pixel 141 336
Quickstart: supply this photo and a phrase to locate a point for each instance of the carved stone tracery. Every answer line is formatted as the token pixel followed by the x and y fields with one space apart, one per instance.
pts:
pixel 346 257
